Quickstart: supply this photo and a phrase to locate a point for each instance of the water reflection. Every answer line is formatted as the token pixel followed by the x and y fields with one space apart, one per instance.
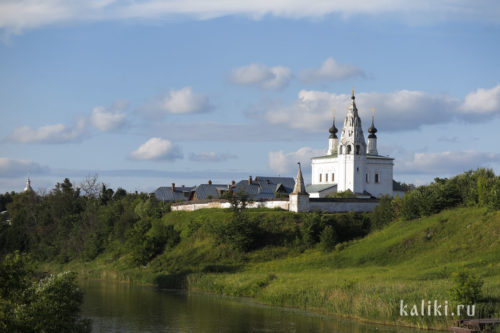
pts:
pixel 116 307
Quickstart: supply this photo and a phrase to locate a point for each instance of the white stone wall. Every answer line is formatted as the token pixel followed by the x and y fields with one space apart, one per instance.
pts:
pixel 350 173
pixel 297 203
pixel 192 206
pixel 382 167
pixel 324 166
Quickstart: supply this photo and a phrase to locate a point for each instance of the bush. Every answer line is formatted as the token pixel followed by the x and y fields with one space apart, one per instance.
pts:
pixel 472 188
pixel 48 305
pixel 466 288
pixel 149 238
pixel 328 239
pixel 242 233
pixel 53 305
pixel 311 228
pixel 345 194
pixel 383 214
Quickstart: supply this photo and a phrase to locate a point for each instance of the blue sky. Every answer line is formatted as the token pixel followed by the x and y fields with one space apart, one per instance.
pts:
pixel 146 93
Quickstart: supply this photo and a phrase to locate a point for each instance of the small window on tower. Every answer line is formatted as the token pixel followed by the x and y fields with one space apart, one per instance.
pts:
pixel 340 150
pixel 357 149
pixel 320 175
pixel 376 178
pixel 326 177
pixel 333 177
pixel 367 178
pixel 348 149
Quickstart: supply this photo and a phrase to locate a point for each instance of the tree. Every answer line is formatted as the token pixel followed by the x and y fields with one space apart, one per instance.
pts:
pixel 383 214
pixel 48 305
pixel 328 239
pixel 311 228
pixel 241 233
pixel 53 305
pixel 90 187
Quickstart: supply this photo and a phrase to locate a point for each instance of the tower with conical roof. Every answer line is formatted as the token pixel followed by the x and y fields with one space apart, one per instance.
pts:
pixel 352 152
pixel 299 198
pixel 352 139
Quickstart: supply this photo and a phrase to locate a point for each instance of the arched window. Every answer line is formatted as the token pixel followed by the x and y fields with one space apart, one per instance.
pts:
pixel 320 176
pixel 377 178
pixel 326 177
pixel 349 149
pixel 357 149
pixel 340 150
pixel 333 177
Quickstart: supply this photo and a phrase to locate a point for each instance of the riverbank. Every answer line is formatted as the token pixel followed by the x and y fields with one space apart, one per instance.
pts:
pixel 132 308
pixel 365 279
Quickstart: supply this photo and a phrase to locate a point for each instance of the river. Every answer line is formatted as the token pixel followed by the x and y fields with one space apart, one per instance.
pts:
pixel 120 307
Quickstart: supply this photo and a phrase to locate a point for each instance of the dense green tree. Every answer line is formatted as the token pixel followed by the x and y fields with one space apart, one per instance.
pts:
pixel 48 305
pixel 480 187
pixel 328 239
pixel 52 305
pixel 5 199
pixel 383 214
pixel 311 228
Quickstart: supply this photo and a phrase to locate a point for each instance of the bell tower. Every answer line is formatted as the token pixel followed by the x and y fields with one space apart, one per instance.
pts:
pixel 352 152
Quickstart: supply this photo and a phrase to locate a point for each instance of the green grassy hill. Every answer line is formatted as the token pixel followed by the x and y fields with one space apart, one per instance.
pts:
pixel 364 278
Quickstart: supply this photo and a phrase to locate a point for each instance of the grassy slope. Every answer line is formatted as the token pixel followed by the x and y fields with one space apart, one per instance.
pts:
pixel 365 279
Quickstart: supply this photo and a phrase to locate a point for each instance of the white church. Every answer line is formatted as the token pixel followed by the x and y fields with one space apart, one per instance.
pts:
pixel 351 164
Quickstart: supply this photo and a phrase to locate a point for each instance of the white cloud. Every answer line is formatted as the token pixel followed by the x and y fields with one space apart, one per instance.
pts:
pixel 157 149
pixel 396 111
pixel 183 101
pixel 262 76
pixel 445 163
pixel 13 167
pixel 57 133
pixel 108 119
pixel 17 15
pixel 330 70
pixel 286 163
pixel 211 157
pixel 482 101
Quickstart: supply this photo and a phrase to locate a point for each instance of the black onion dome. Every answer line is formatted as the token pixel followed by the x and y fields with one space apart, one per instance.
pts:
pixel 372 130
pixel 333 131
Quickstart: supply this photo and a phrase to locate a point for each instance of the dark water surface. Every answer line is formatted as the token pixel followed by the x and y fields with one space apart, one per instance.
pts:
pixel 118 307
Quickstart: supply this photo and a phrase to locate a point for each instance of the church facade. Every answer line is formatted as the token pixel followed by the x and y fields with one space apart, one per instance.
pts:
pixel 351 163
